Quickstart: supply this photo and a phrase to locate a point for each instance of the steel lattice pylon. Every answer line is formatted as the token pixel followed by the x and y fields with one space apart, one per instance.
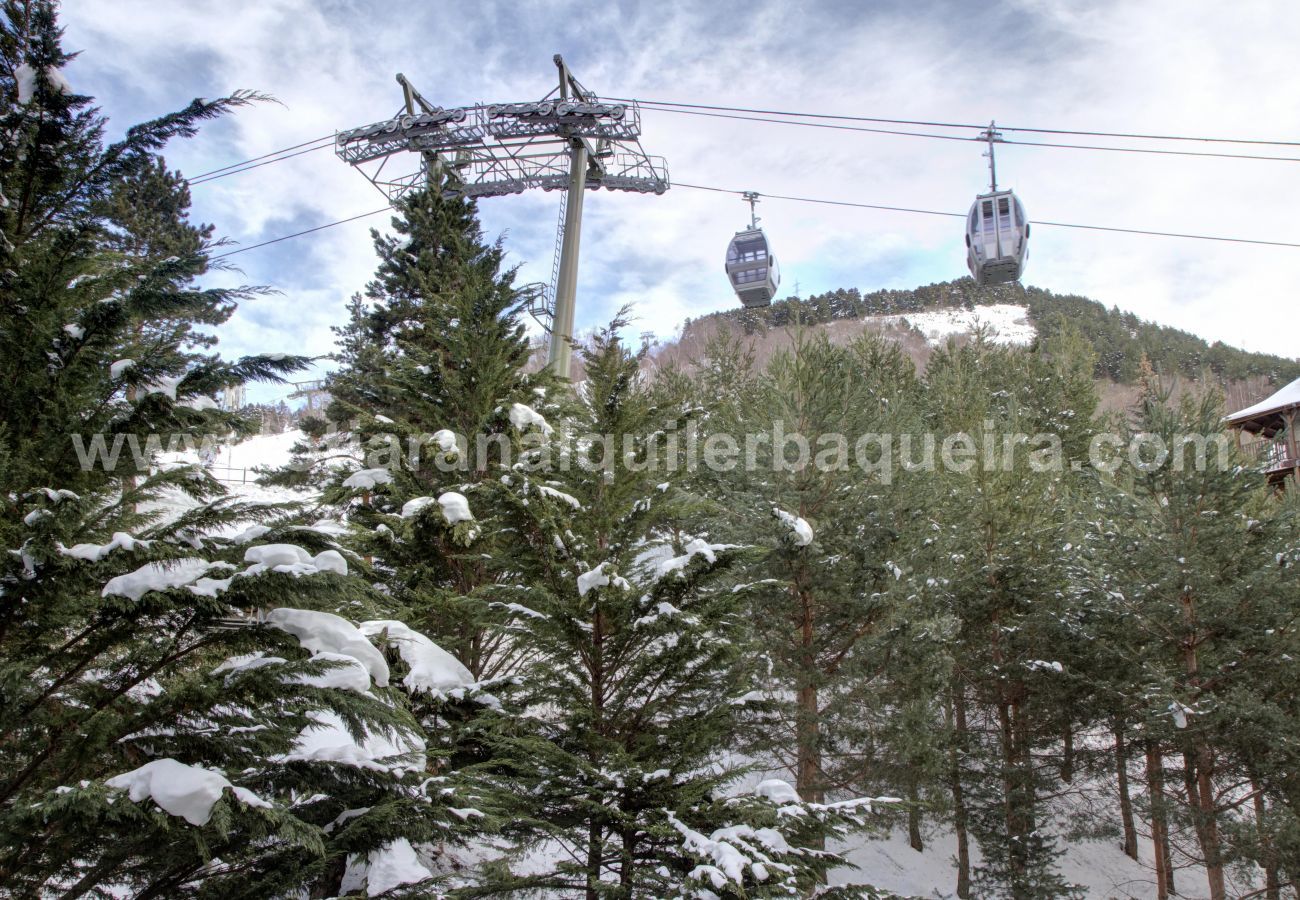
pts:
pixel 488 151
pixel 570 140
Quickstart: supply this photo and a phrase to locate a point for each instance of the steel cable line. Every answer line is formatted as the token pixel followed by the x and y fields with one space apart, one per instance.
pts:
pixel 845 203
pixel 935 212
pixel 285 153
pixel 373 212
pixel 762 115
pixel 204 175
pixel 712 115
pixel 950 137
pixel 237 171
pixel 673 106
pixel 1071 133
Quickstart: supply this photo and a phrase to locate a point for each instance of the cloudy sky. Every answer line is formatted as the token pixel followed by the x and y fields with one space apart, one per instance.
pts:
pixel 1181 67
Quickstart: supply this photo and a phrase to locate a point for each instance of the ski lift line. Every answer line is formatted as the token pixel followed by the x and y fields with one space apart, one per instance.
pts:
pixel 926 212
pixel 1067 132
pixel 673 106
pixel 700 109
pixel 935 212
pixel 328 137
pixel 373 212
pixel 239 171
pixel 950 137
pixel 846 203
pixel 923 134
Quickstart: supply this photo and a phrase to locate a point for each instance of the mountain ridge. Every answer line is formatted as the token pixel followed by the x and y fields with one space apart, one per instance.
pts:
pixel 1120 339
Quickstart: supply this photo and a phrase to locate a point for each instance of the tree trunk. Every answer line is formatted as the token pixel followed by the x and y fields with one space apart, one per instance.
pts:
pixel 808 715
pixel 808 779
pixel 595 852
pixel 1159 824
pixel 1067 754
pixel 129 483
pixel 627 867
pixel 956 712
pixel 1272 884
pixel 914 818
pixel 1016 800
pixel 1019 787
pixel 1125 798
pixel 595 827
pixel 1207 822
pixel 1200 762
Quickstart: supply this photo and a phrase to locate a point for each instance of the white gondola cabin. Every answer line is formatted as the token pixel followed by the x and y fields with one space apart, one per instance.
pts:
pixel 752 268
pixel 997 238
pixel 997 231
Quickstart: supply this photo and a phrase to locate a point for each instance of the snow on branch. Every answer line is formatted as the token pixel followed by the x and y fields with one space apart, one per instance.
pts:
pixel 800 532
pixel 322 632
pixel 431 669
pixel 189 792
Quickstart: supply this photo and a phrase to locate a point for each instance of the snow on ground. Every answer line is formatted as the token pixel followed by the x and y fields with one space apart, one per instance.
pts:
pixel 1100 866
pixel 1008 324
pixel 272 450
pixel 888 862
pixel 234 466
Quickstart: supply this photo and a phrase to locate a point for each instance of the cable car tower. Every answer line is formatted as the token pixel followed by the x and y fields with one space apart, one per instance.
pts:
pixel 570 140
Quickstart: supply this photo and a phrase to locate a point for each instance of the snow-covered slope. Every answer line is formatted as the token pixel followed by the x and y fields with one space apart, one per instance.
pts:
pixel 1006 323
pixel 235 466
pixel 269 450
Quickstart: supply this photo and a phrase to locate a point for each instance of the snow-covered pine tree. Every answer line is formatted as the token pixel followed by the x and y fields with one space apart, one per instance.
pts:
pixel 431 378
pixel 160 741
pixel 78 304
pixel 1193 584
pixel 617 781
pixel 832 507
pixel 163 731
pixel 998 556
pixel 432 367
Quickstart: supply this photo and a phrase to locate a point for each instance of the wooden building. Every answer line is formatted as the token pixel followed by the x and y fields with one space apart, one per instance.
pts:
pixel 1267 432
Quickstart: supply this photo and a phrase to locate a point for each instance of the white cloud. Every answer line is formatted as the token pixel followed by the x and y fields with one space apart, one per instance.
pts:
pixel 1158 67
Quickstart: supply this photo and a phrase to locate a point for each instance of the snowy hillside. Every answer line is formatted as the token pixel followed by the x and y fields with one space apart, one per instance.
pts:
pixel 237 466
pixel 232 460
pixel 1006 323
pixel 259 451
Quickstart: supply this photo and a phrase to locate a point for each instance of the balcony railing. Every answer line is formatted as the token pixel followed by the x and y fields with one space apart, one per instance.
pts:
pixel 1272 455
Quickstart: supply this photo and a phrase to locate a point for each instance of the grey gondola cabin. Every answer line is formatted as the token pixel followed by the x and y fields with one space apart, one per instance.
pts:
pixel 997 238
pixel 751 267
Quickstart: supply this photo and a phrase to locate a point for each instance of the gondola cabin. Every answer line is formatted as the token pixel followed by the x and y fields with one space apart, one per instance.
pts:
pixel 752 268
pixel 997 238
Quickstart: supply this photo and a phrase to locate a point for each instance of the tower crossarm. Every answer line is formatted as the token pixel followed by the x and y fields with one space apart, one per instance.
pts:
pixel 504 148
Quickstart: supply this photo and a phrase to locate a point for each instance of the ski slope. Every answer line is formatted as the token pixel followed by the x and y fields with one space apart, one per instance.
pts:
pixel 1006 323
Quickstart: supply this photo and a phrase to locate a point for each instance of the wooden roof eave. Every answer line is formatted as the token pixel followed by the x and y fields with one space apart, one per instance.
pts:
pixel 1269 423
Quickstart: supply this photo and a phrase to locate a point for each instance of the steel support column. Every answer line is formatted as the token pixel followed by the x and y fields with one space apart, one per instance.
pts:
pixel 566 288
